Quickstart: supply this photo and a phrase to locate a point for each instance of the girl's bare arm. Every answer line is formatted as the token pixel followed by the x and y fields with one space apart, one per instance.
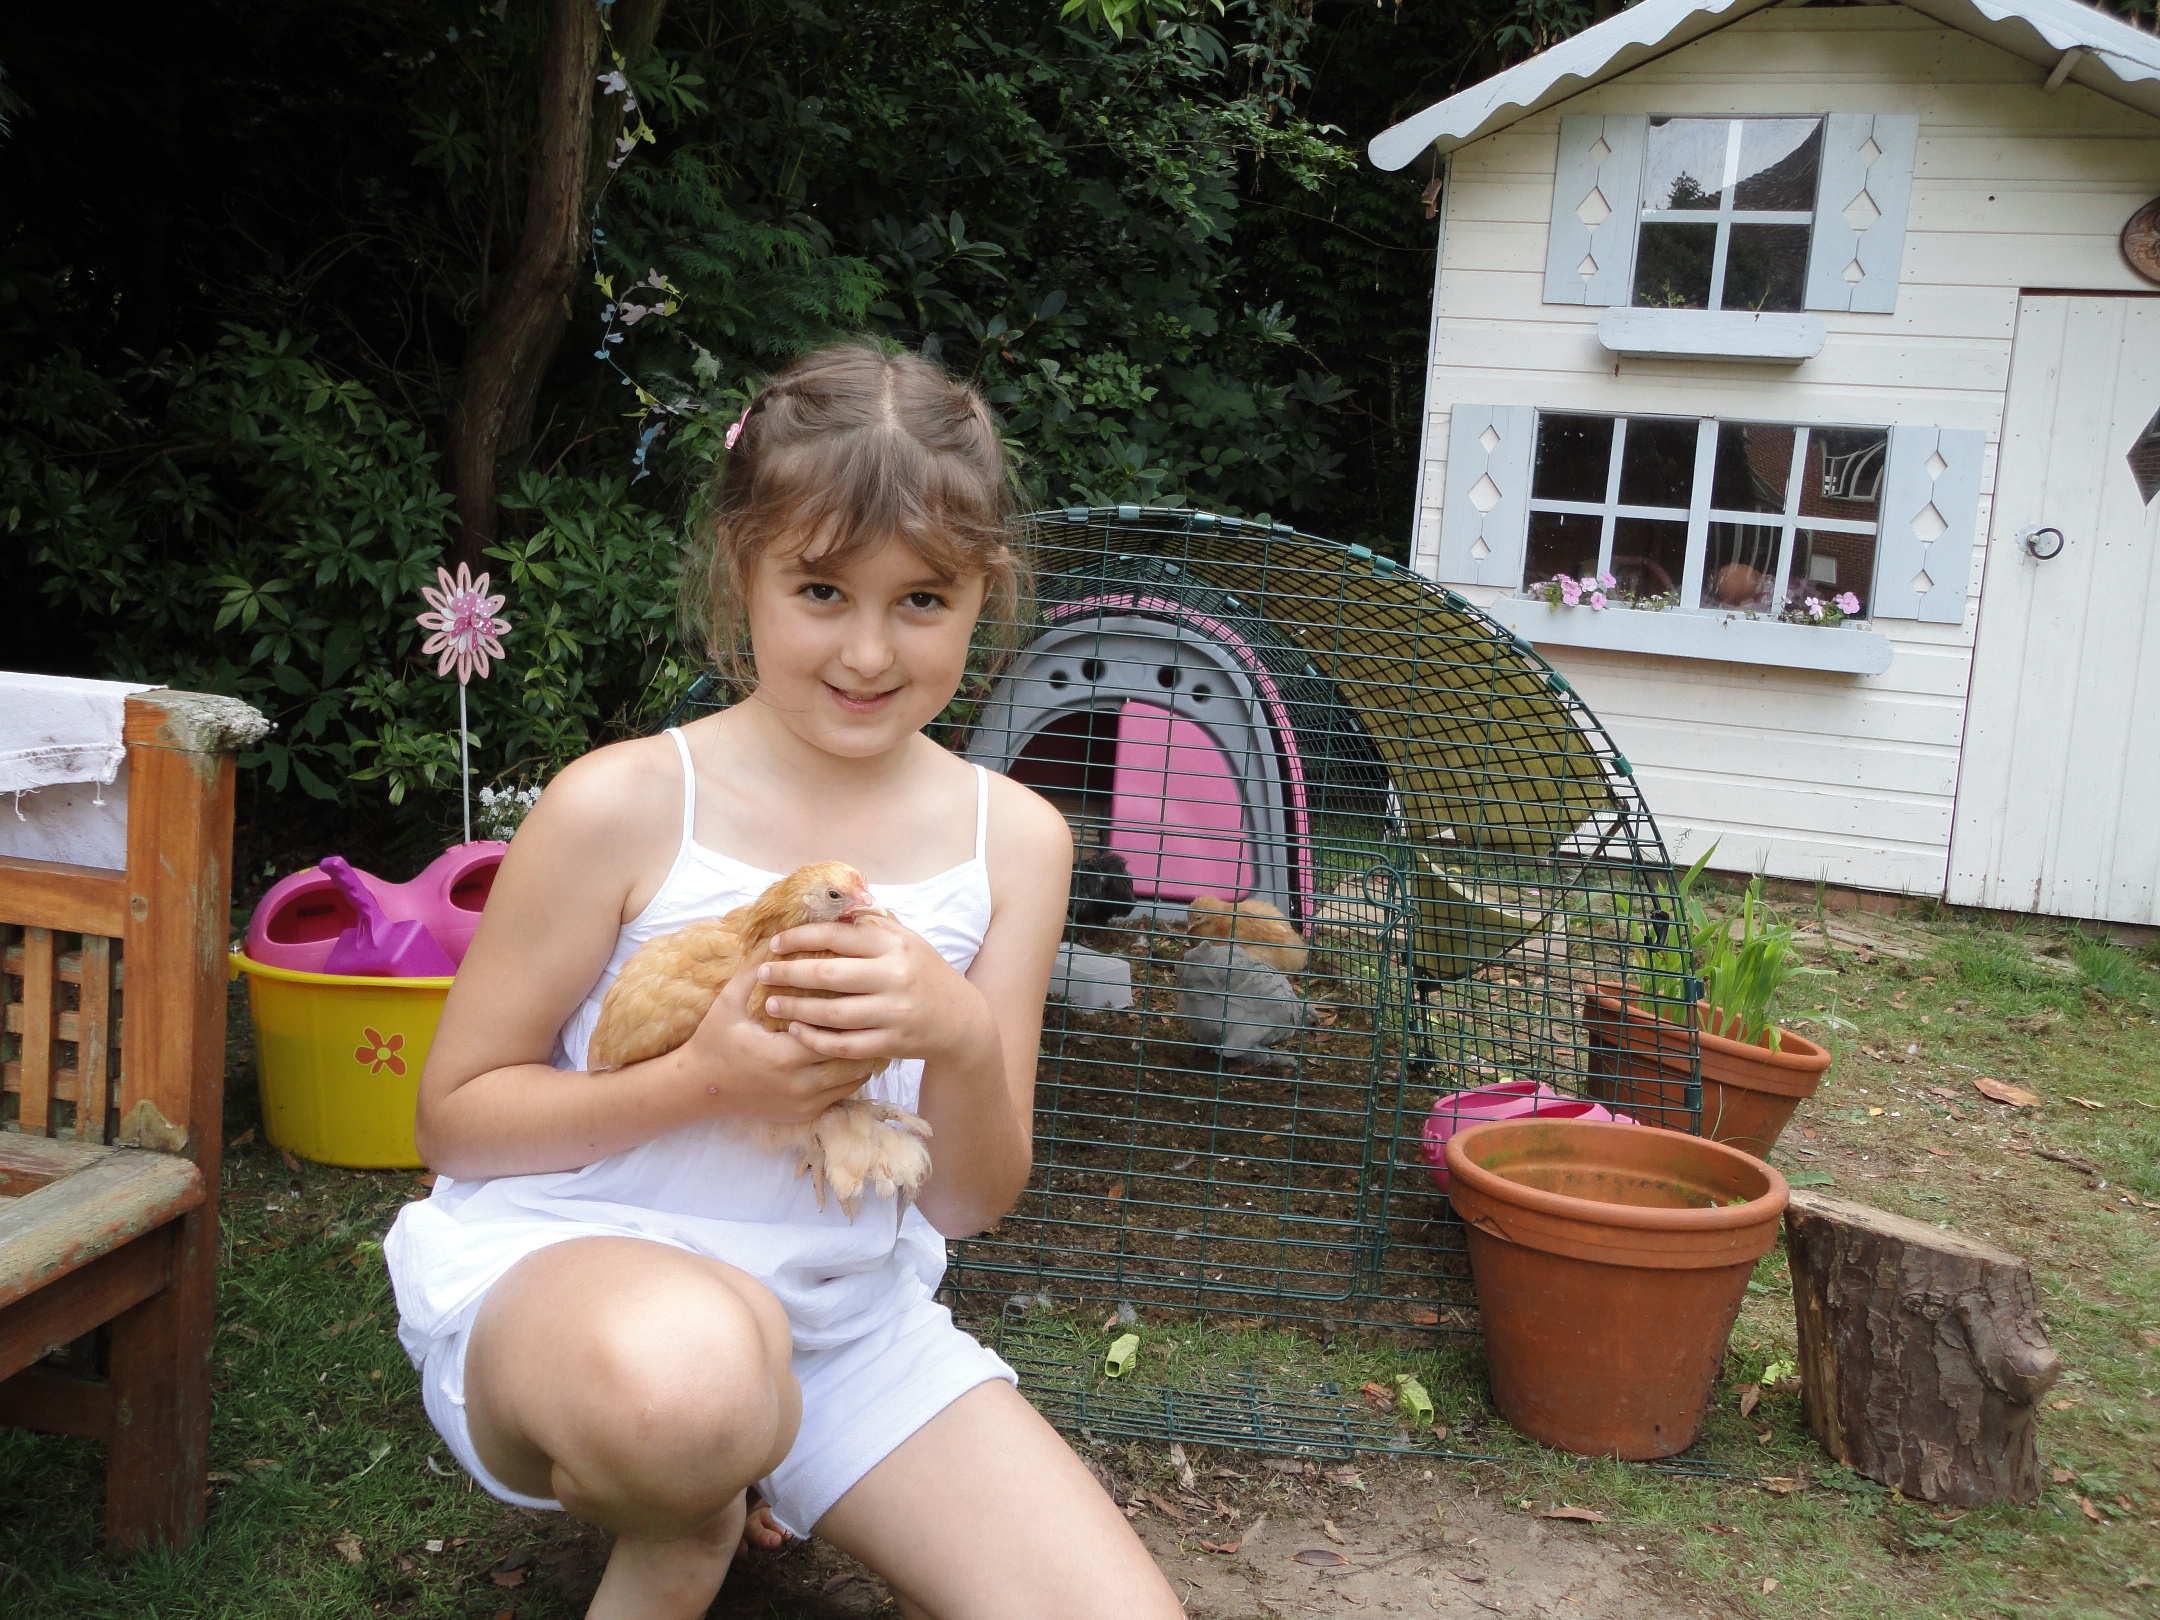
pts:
pixel 490 1104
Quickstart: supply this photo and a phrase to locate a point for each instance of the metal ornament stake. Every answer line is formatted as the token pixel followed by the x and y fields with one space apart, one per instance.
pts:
pixel 466 635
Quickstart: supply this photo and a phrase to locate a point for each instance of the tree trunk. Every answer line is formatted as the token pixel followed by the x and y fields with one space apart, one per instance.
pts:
pixel 493 407
pixel 1922 1356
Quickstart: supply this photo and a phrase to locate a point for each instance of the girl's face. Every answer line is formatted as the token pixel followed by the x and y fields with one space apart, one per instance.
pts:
pixel 858 658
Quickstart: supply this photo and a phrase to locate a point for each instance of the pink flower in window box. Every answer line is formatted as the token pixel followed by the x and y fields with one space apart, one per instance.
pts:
pixel 1848 603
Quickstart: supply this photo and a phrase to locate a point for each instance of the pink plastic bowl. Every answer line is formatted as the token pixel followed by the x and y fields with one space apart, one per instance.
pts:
pixel 298 922
pixel 1515 1099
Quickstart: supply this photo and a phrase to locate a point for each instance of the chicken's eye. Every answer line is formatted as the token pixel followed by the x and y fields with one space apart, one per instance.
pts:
pixel 832 894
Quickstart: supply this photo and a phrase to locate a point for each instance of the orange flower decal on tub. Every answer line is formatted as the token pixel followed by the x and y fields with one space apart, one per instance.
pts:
pixel 380 1052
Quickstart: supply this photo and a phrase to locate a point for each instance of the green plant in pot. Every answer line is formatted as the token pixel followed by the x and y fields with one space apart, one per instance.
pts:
pixel 1723 972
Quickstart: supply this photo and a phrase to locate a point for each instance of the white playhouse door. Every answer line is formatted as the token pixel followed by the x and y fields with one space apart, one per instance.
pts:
pixel 2060 774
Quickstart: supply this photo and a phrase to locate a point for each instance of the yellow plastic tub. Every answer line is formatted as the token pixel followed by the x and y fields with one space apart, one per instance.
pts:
pixel 339 1061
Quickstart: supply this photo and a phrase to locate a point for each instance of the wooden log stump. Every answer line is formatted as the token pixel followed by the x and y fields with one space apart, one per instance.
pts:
pixel 1922 1356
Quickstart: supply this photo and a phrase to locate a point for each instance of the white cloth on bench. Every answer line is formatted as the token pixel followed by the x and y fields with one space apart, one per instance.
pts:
pixel 63 765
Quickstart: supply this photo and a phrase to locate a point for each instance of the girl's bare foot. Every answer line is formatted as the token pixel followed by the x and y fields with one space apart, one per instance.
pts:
pixel 670 1580
pixel 759 1531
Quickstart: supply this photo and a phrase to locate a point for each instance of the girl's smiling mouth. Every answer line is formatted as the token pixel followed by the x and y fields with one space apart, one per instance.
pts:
pixel 860 702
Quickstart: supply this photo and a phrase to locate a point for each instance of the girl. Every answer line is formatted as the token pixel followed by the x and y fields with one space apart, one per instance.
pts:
pixel 618 1302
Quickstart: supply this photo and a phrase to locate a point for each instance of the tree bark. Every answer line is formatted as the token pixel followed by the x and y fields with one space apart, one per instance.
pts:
pixel 1922 1357
pixel 492 409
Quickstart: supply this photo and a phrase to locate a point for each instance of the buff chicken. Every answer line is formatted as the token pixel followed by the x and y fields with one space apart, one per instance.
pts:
pixel 1255 927
pixel 664 991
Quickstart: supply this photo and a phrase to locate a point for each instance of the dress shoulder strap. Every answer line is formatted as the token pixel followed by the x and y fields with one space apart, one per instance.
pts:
pixel 689 784
pixel 982 812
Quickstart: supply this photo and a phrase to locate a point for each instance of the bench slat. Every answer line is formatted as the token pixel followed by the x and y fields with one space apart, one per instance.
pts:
pixel 70 1222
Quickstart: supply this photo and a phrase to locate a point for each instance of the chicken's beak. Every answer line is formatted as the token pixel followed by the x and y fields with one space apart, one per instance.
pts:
pixel 861 905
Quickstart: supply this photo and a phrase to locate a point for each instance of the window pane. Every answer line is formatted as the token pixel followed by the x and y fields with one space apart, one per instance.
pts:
pixel 1779 158
pixel 1740 568
pixel 1574 454
pixel 1765 267
pixel 1754 459
pixel 1684 165
pixel 1649 557
pixel 1672 266
pixel 1561 543
pixel 1658 466
pixel 1844 473
pixel 1827 565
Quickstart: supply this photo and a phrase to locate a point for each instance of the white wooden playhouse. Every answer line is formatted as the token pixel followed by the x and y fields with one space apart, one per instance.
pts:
pixel 1751 308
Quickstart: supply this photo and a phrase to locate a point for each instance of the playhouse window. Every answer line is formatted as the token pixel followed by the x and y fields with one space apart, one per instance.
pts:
pixel 1728 205
pixel 1755 517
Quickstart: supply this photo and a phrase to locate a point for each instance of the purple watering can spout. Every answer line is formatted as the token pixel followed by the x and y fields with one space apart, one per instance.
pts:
pixel 374 946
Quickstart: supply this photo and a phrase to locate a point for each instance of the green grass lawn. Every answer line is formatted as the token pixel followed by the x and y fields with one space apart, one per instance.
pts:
pixel 333 1497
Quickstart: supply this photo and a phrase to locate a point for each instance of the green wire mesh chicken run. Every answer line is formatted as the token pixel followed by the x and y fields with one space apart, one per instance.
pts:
pixel 1446 880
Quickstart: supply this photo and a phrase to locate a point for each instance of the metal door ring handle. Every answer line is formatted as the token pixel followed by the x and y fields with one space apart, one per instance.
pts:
pixel 2036 538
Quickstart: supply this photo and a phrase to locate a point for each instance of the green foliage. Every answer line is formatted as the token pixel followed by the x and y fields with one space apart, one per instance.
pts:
pixel 1740 975
pixel 249 523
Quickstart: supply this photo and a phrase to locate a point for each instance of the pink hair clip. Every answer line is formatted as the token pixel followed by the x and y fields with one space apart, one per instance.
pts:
pixel 735 432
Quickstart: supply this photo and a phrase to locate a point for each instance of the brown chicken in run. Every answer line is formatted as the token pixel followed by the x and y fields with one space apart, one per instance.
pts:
pixel 664 991
pixel 1253 926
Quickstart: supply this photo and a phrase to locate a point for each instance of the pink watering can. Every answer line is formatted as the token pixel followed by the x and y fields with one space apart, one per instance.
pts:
pixel 299 921
pixel 1513 1099
pixel 375 947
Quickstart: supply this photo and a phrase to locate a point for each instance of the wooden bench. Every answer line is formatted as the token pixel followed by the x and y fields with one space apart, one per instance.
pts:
pixel 109 1162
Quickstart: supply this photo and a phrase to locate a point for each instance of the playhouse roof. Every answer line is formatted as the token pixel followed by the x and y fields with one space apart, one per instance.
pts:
pixel 2087 46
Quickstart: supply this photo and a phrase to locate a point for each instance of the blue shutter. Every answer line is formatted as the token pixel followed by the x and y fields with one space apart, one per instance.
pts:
pixel 1930 519
pixel 1486 508
pixel 1860 203
pixel 1597 187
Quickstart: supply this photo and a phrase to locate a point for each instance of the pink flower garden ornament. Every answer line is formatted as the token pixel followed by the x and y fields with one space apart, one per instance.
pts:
pixel 467 633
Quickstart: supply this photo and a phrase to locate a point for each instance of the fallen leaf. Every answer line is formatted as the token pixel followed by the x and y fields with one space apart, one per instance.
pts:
pixel 2061 1475
pixel 1470 1575
pixel 2003 1091
pixel 1575 1515
pixel 1439 1431
pixel 1768 1585
pixel 2065 1403
pixel 1943 1091
pixel 2085 1506
pixel 839 1581
pixel 1117 1191
pixel 1183 1467
pixel 291 1163
pixel 1941 1153
pixel 2087 1102
pixel 222 1479
pixel 403 1564
pixel 2034 1023
pixel 1721 1529
pixel 347 1545
pixel 433 1545
pixel 2151 1336
pixel 1379 1394
pixel 259 1463
pixel 1874 1113
pixel 1424 1318
pixel 1321 1558
pixel 1347 1476
pixel 1224 1547
pixel 243 1139
pixel 1781 1485
pixel 1168 1507
pixel 1808 1132
pixel 1948 1518
pixel 1327 1528
pixel 2137 1583
pixel 1764 1437
pixel 1750 1398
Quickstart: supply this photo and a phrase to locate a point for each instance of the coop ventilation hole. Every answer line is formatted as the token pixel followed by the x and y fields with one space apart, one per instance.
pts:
pixel 2144 461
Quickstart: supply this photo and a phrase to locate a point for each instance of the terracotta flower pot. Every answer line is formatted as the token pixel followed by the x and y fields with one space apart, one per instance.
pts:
pixel 1610 1264
pixel 1640 1061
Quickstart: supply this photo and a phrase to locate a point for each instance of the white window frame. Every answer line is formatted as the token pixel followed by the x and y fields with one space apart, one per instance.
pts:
pixel 1725 213
pixel 1699 513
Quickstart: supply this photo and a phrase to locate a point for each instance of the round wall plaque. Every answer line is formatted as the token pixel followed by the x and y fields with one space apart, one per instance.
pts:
pixel 2141 240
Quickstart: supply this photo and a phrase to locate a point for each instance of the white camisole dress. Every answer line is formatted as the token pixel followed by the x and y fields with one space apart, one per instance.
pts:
pixel 877 1357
